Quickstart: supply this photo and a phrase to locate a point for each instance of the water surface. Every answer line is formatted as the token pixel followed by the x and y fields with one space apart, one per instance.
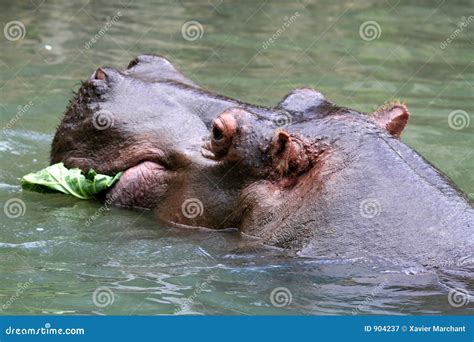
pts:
pixel 51 262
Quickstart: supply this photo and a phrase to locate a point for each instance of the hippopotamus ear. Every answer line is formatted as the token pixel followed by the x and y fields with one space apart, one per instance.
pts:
pixel 281 148
pixel 392 117
pixel 302 100
pixel 290 154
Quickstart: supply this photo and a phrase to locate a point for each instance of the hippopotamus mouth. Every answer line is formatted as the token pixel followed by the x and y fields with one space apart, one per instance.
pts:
pixel 132 188
pixel 131 121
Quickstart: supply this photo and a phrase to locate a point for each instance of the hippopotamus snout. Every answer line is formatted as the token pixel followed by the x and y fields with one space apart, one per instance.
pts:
pixel 128 120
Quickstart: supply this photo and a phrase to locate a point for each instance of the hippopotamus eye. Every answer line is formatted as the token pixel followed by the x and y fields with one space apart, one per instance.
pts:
pixel 217 133
pixel 223 130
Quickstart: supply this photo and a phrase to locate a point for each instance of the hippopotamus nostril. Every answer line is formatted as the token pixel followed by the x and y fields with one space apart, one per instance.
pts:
pixel 133 62
pixel 106 75
pixel 99 74
pixel 149 59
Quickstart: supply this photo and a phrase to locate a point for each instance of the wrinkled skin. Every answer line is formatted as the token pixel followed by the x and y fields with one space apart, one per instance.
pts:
pixel 333 182
pixel 342 185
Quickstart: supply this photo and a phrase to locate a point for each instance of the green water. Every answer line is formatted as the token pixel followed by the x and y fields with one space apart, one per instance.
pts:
pixel 51 261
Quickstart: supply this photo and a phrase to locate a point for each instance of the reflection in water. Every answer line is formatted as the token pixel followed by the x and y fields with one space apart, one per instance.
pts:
pixel 124 263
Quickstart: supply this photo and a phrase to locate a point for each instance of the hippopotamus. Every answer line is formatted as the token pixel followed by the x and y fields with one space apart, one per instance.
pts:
pixel 305 175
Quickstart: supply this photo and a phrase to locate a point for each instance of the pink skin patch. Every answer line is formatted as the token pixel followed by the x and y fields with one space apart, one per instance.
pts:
pixel 140 186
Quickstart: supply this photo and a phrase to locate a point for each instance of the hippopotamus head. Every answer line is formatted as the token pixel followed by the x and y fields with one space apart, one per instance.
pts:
pixel 178 153
pixel 147 120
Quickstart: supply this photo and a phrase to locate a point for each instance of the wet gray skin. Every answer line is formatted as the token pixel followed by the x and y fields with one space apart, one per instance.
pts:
pixel 340 184
pixel 331 182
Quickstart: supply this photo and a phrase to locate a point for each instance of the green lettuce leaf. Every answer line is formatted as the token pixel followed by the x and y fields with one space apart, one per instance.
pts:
pixel 57 178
